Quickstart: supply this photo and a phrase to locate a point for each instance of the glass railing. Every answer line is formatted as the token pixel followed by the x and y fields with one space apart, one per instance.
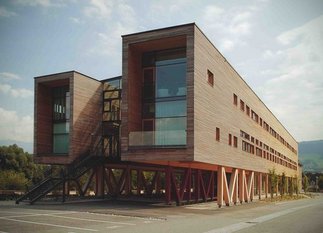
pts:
pixel 158 138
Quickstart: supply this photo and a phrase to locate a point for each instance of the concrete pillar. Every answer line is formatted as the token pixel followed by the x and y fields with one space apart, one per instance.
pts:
pixel 259 185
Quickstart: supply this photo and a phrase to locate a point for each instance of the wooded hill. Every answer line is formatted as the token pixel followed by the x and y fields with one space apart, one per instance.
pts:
pixel 311 155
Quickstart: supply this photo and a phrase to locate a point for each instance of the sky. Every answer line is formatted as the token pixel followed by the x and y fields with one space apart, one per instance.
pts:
pixel 276 46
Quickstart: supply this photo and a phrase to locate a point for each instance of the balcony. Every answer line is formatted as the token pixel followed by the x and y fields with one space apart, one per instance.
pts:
pixel 170 138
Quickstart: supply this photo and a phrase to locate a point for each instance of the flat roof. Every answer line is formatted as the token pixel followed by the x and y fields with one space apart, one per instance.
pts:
pixel 160 29
pixel 66 72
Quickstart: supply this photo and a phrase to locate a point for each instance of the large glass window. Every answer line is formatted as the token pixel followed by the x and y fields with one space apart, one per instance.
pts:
pixel 61 104
pixel 170 131
pixel 171 78
pixel 61 137
pixel 171 108
pixel 61 116
pixel 164 104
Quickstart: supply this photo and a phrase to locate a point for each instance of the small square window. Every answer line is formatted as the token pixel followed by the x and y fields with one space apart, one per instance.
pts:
pixel 217 134
pixel 242 105
pixel 210 78
pixel 235 99
pixel 247 110
pixel 235 141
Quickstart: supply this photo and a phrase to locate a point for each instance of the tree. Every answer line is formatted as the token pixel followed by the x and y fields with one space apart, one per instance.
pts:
pixel 11 180
pixel 282 184
pixel 296 186
pixel 305 183
pixel 19 165
pixel 291 185
pixel 320 182
pixel 273 179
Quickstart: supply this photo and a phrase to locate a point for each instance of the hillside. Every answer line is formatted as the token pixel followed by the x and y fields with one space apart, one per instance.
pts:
pixel 311 155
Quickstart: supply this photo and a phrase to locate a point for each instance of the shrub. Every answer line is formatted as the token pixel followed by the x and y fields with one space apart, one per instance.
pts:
pixel 11 180
pixel 273 179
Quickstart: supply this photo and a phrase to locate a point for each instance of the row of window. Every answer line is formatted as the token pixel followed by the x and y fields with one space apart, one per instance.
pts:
pixel 249 147
pixel 254 116
pixel 264 151
pixel 233 140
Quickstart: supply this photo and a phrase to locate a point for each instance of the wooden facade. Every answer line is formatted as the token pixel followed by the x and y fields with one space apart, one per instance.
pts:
pixel 210 109
pixel 232 138
pixel 85 119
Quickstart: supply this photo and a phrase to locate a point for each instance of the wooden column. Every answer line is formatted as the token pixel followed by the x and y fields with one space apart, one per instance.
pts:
pixel 259 185
pixel 266 185
pixel 220 186
pixel 99 184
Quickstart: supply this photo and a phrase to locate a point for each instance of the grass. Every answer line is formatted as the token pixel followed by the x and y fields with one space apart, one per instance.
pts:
pixel 286 198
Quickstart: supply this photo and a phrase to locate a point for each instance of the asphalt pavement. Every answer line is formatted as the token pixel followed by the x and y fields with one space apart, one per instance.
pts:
pixel 303 215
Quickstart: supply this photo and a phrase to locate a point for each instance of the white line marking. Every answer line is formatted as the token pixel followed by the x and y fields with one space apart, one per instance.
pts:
pixel 93 220
pixel 252 222
pixel 48 224
pixel 16 212
pixel 33 215
pixel 113 227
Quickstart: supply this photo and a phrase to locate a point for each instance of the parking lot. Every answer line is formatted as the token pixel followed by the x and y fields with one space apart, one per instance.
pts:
pixel 81 217
pixel 127 216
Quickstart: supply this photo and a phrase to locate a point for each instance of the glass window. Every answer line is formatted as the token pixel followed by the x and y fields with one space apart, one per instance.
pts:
pixel 61 138
pixel 60 128
pixel 164 106
pixel 68 107
pixel 61 144
pixel 115 105
pixel 170 131
pixel 112 85
pixel 61 107
pixel 210 78
pixel 111 95
pixel 171 78
pixel 171 108
pixel 149 110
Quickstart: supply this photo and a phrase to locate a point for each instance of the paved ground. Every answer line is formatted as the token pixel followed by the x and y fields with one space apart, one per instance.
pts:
pixel 304 215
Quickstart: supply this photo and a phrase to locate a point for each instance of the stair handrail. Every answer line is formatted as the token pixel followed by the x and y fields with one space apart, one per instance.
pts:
pixel 33 189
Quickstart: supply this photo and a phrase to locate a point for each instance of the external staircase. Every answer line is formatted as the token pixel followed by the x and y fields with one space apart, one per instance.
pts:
pixel 73 171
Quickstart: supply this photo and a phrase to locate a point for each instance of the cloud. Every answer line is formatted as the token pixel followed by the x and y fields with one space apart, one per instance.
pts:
pixel 109 41
pixel 227 44
pixel 17 93
pixel 212 11
pixel 14 127
pixel 228 26
pixel 6 13
pixel 269 54
pixel 75 20
pixel 295 89
pixel 99 8
pixel 9 76
pixel 41 3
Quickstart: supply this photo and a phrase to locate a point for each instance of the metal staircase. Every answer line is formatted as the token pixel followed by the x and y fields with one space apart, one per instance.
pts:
pixel 75 170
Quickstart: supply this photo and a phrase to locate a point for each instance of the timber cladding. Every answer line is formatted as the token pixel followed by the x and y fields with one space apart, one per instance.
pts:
pixel 86 117
pixel 214 108
pixel 208 106
pixel 133 47
pixel 85 120
pixel 43 117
